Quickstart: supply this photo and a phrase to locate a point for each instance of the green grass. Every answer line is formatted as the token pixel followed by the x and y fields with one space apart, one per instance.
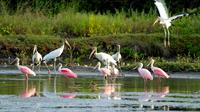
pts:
pixel 19 31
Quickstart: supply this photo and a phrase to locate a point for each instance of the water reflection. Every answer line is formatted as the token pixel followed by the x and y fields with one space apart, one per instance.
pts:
pixel 50 91
pixel 28 91
pixel 150 96
pixel 110 90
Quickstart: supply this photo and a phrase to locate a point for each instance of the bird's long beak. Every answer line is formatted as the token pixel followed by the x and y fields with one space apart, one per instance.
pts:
pixel 68 44
pixel 14 61
pixel 93 51
pixel 149 63
pixel 156 21
pixel 135 67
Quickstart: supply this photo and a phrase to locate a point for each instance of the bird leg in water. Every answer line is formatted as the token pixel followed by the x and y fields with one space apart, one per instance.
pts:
pixel 26 76
pixel 54 65
pixel 165 36
pixel 168 36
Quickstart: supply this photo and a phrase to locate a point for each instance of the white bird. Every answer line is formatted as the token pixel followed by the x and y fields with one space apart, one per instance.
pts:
pixel 117 56
pixel 105 58
pixel 164 19
pixel 55 53
pixel 36 58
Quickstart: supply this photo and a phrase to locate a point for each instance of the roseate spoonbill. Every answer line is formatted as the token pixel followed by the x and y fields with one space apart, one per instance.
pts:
pixel 158 71
pixel 104 71
pixel 25 70
pixel 105 58
pixel 66 72
pixel 55 53
pixel 114 71
pixel 146 74
pixel 36 58
pixel 117 56
pixel 164 19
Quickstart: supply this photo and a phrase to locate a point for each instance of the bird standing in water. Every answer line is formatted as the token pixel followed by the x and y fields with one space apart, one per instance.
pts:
pixel 25 70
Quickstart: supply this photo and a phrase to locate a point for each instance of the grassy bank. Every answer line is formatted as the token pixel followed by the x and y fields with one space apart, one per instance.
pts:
pixel 133 30
pixel 135 48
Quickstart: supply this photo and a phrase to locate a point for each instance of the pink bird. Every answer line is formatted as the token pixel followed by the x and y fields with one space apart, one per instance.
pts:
pixel 25 70
pixel 146 74
pixel 104 71
pixel 158 71
pixel 66 72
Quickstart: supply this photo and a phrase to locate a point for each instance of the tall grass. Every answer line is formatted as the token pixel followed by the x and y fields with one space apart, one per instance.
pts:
pixel 70 23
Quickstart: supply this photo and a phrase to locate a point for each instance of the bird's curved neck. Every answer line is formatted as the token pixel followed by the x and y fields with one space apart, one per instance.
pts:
pixel 118 48
pixel 59 68
pixel 152 64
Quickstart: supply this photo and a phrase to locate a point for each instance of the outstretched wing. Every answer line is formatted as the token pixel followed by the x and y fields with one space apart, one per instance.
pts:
pixel 161 6
pixel 177 16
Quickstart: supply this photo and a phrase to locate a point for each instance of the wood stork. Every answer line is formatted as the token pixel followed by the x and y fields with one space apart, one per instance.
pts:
pixel 117 56
pixel 25 70
pixel 55 53
pixel 105 58
pixel 165 20
pixel 36 58
pixel 158 71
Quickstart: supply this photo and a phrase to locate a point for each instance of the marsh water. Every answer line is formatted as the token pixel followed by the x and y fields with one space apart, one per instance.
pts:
pixel 91 93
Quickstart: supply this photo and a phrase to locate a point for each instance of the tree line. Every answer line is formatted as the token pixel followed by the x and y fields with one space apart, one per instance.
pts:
pixel 102 6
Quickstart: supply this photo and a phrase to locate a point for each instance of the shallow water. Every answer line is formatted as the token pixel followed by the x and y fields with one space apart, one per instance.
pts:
pixel 91 93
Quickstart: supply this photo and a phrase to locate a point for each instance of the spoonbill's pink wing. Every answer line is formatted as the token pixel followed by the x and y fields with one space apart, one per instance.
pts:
pixel 26 70
pixel 160 72
pixel 146 74
pixel 68 73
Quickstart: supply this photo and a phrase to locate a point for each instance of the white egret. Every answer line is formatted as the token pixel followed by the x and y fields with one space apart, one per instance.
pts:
pixel 164 19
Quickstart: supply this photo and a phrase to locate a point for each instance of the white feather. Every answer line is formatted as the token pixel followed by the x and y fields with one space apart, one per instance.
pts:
pixel 54 54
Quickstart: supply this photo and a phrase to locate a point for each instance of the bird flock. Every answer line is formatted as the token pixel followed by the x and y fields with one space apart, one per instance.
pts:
pixel 111 62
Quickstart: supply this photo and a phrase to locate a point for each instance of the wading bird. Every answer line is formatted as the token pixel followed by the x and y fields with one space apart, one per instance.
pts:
pixel 146 74
pixel 117 56
pixel 66 72
pixel 55 53
pixel 104 71
pixel 36 58
pixel 25 70
pixel 105 58
pixel 158 71
pixel 165 20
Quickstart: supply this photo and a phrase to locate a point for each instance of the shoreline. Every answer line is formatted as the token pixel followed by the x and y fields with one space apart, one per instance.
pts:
pixel 82 71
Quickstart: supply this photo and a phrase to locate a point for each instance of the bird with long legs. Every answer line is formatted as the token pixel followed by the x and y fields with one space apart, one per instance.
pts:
pixel 66 72
pixel 105 58
pixel 165 20
pixel 36 58
pixel 25 70
pixel 55 53
pixel 157 71
pixel 106 72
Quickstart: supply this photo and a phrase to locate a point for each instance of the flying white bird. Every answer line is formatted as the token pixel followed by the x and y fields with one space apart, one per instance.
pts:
pixel 36 58
pixel 164 19
pixel 55 53
pixel 105 58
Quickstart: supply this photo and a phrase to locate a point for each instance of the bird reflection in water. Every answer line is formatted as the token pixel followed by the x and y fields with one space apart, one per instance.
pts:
pixel 149 97
pixel 110 90
pixel 28 92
